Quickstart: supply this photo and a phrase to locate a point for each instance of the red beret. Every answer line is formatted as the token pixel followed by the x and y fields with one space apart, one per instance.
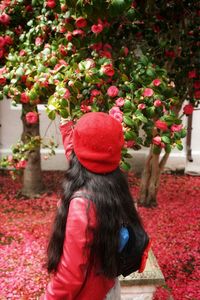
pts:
pixel 98 141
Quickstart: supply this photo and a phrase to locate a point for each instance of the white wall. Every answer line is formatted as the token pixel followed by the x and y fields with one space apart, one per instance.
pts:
pixel 11 129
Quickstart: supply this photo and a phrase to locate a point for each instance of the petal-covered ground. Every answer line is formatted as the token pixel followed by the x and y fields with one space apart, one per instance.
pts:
pixel 173 226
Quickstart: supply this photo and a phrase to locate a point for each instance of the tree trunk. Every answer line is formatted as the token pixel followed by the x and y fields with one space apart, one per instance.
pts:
pixel 32 175
pixel 150 179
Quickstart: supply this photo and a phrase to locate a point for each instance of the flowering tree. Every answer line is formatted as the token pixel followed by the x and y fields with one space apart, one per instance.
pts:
pixel 66 54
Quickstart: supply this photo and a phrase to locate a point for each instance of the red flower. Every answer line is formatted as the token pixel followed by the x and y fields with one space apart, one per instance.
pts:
pixel 2 80
pixel 112 91
pixel 95 93
pixel 97 28
pixel 105 54
pixel 196 85
pixel 188 109
pixel 157 103
pixel 21 164
pixel 69 36
pixel 108 70
pixel 24 98
pixel 4 19
pixel 2 42
pixel 156 82
pixel 162 125
pixel 97 46
pixel 125 50
pixel 63 50
pixel 51 3
pixel 148 92
pixel 169 53
pixel 32 117
pixel 197 94
pixel 8 40
pixel 81 22
pixel 192 74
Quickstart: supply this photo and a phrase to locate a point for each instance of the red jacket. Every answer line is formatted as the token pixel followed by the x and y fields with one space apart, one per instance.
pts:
pixel 76 277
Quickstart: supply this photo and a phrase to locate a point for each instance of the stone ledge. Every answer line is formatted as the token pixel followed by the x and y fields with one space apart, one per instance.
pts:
pixel 152 275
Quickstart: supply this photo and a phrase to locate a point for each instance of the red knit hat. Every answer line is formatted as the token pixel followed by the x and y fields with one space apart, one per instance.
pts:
pixel 98 141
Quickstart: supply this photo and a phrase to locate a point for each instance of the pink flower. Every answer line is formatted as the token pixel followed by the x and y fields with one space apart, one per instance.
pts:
pixel 129 144
pixel 81 22
pixel 162 125
pixel 120 102
pixel 112 91
pixel 157 140
pixel 21 164
pixel 38 41
pixel 197 94
pixel 22 53
pixel 63 50
pixel 78 32
pixel 192 74
pixel 156 82
pixel 51 3
pixel 85 108
pixel 4 19
pixel 67 94
pixel 148 92
pixel 108 70
pixel 116 113
pixel 176 128
pixel 141 106
pixel 157 103
pixel 32 117
pixel 97 28
pixel 188 109
pixel 24 98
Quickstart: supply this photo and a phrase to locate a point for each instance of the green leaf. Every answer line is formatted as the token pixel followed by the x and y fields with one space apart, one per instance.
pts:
pixel 179 146
pixel 165 139
pixel 140 116
pixel 128 121
pixel 52 114
pixel 125 166
pixel 19 72
pixel 168 148
pixel 1 96
pixel 130 135
pixel 64 113
pixel 156 149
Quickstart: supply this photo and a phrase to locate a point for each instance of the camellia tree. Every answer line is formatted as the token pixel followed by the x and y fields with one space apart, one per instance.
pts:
pixel 82 56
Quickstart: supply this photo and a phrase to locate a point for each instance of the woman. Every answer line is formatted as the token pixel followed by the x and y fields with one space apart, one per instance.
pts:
pixel 83 248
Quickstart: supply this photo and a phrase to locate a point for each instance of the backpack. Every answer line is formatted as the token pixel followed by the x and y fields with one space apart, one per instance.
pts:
pixel 133 254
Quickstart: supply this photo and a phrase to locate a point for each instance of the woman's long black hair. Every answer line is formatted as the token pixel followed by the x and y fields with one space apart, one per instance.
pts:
pixel 114 205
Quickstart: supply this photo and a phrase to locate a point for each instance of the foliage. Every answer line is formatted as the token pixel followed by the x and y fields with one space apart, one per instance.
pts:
pixel 66 54
pixel 173 227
